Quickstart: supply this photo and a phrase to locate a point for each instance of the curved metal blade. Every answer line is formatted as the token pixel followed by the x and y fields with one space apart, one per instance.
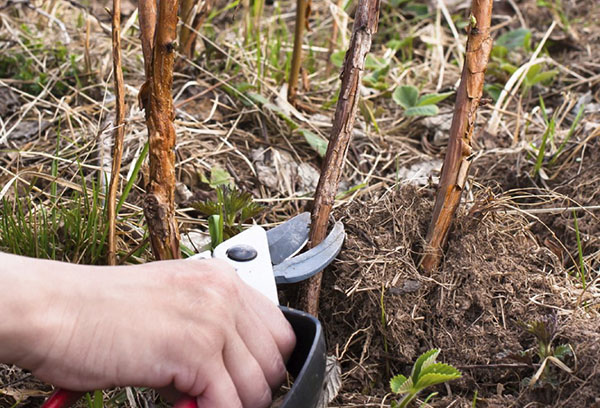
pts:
pixel 304 266
pixel 289 238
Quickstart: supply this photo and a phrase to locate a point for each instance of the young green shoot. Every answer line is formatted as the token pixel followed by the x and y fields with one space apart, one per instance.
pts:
pixel 425 373
pixel 227 213
pixel 414 105
pixel 544 331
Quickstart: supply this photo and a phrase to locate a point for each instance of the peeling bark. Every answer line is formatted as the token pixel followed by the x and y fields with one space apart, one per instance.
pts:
pixel 458 156
pixel 118 135
pixel 155 96
pixel 365 26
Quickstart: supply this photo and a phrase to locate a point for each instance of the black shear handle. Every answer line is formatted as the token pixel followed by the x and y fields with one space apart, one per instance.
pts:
pixel 307 362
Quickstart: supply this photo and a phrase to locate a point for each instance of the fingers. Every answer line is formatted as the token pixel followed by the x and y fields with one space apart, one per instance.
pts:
pixel 273 319
pixel 247 375
pixel 262 346
pixel 219 393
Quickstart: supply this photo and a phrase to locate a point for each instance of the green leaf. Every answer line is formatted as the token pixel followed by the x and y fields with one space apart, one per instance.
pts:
pixel 440 368
pixel 315 141
pixel 428 380
pixel 527 42
pixel 257 98
pixel 397 382
pixel 219 177
pixel 427 110
pixel 493 90
pixel 376 79
pixel 510 68
pixel 562 351
pixel 373 62
pixel 244 86
pixel 533 71
pixel 404 387
pixel 499 52
pixel 406 96
pixel 425 360
pixel 418 9
pixel 514 39
pixel 394 44
pixel 98 401
pixel 543 77
pixel 433 99
pixel 337 58
pixel 215 228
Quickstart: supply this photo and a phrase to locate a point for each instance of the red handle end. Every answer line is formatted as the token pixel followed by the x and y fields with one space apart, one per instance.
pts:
pixel 186 402
pixel 62 399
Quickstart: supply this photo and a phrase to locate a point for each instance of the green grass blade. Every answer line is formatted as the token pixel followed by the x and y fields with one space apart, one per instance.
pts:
pixel 571 132
pixel 133 178
pixel 540 156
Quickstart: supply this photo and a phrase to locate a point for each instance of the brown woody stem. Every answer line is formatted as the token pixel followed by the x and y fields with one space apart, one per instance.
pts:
pixel 365 25
pixel 118 135
pixel 147 16
pixel 156 98
pixel 458 156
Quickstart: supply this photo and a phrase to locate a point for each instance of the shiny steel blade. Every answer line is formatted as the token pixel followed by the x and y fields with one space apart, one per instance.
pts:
pixel 289 238
pixel 303 266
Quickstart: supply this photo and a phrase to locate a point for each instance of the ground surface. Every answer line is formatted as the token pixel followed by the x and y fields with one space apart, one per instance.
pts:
pixel 525 247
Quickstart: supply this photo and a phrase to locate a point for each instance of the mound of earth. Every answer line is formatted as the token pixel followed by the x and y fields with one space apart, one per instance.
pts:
pixel 381 312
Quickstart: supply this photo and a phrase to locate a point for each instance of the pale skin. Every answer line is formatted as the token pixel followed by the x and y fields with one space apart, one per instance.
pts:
pixel 188 325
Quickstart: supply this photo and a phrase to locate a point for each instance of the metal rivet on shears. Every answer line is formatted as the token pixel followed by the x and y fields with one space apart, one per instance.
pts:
pixel 242 253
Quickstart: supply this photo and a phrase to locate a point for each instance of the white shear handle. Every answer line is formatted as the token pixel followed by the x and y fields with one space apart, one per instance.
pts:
pixel 257 270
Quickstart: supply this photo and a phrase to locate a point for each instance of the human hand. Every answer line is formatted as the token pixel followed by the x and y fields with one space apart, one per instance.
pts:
pixel 192 325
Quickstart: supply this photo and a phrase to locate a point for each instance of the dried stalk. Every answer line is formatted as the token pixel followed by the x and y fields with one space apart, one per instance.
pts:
pixel 155 96
pixel 458 157
pixel 118 135
pixel 193 13
pixel 333 41
pixel 365 25
pixel 302 14
pixel 186 14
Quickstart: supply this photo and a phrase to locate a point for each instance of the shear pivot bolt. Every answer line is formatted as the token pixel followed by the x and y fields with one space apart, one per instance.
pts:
pixel 241 253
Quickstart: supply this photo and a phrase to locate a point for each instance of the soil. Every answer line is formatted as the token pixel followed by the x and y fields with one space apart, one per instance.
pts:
pixel 495 277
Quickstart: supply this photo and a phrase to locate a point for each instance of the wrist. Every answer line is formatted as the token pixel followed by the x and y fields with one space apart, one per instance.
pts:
pixel 20 294
pixel 37 298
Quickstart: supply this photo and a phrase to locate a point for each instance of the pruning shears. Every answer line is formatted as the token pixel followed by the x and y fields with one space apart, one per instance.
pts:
pixel 263 259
